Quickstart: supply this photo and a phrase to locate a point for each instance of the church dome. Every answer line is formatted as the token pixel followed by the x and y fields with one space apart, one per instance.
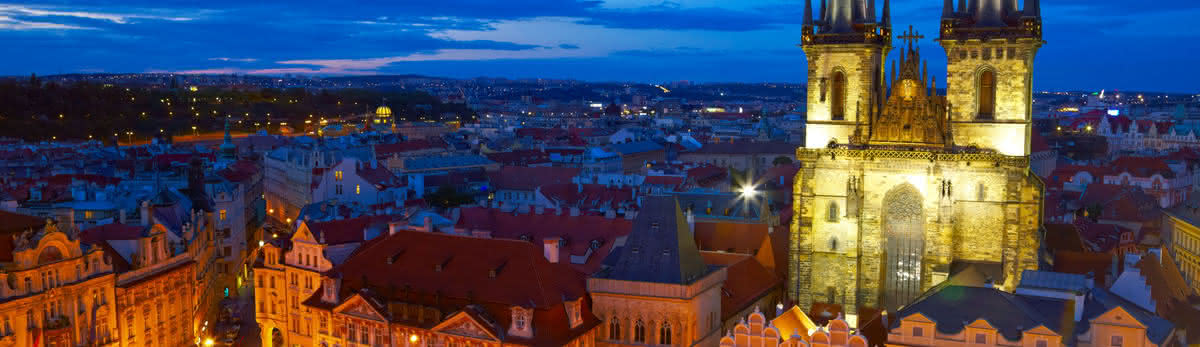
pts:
pixel 383 111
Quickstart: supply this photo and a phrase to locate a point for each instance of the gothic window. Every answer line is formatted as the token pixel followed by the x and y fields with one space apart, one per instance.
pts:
pixel 987 95
pixel 664 334
pixel 639 332
pixel 904 232
pixel 838 106
pixel 614 329
pixel 833 213
pixel 981 192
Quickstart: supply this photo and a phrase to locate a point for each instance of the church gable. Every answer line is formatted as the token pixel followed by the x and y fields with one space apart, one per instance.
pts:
pixel 358 306
pixel 303 234
pixel 913 113
pixel 463 324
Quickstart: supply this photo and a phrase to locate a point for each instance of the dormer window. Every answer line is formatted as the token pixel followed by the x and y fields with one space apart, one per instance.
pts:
pixel 574 312
pixel 521 325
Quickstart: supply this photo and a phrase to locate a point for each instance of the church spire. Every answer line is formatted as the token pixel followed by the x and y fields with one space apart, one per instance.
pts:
pixel 948 9
pixel 1033 8
pixel 887 14
pixel 824 14
pixel 808 21
pixel 871 11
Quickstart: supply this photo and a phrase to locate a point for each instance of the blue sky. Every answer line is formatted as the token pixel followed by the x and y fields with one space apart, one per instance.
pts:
pixel 1092 44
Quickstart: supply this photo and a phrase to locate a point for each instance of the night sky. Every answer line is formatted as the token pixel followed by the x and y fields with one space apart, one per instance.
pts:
pixel 1092 44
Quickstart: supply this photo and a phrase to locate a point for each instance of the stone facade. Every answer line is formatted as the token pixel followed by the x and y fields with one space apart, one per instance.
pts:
pixel 691 312
pixel 862 66
pixel 971 207
pixel 1012 63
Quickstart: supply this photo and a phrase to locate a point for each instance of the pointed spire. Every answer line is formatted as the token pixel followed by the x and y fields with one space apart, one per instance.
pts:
pixel 871 11
pixel 962 6
pixel 1033 8
pixel 948 9
pixel 893 80
pixel 887 14
pixel 808 20
pixel 824 14
pixel 1009 8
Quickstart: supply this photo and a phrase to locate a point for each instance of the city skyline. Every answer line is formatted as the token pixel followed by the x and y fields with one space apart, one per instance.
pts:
pixel 627 40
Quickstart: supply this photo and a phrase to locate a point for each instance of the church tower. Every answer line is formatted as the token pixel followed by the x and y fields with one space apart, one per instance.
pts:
pixel 990 47
pixel 846 48
pixel 916 186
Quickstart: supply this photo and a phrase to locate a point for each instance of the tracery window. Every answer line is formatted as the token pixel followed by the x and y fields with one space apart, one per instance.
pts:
pixel 614 329
pixel 832 216
pixel 639 332
pixel 664 334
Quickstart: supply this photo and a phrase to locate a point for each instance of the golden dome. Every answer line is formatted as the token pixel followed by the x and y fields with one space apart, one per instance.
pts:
pixel 383 111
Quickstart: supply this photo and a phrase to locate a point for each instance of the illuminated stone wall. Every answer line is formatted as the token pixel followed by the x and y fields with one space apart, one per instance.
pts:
pixel 861 63
pixel 1012 62
pixel 974 207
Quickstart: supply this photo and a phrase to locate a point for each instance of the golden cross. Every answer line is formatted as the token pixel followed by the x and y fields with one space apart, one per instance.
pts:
pixel 910 36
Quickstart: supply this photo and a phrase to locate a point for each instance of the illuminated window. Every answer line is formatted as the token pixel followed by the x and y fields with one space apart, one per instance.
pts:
pixel 88 214
pixel 664 334
pixel 357 189
pixel 838 106
pixel 639 332
pixel 337 175
pixel 222 214
pixel 987 95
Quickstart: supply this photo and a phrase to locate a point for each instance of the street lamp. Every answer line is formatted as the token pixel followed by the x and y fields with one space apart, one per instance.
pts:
pixel 194 131
pixel 748 191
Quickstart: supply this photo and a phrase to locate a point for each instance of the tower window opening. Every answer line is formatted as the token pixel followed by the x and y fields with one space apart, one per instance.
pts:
pixel 987 95
pixel 838 105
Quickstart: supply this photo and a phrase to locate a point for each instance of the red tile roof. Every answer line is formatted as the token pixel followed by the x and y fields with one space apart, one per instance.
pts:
pixel 387 150
pixel 670 181
pixel 730 237
pixel 343 231
pixel 1142 167
pixel 577 232
pixel 12 225
pixel 520 157
pixel 529 178
pixel 455 273
pixel 589 196
pixel 747 280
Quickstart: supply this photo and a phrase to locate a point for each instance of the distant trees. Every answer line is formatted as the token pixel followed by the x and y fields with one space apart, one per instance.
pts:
pixel 38 110
pixel 446 197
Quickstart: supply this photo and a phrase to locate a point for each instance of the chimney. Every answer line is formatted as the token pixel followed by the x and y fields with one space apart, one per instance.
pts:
pixel 121 217
pixel 393 227
pixel 691 221
pixel 550 248
pixel 145 212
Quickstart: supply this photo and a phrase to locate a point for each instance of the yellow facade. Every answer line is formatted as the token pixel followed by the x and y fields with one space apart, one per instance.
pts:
pixel 904 186
pixel 56 294
pixel 1184 243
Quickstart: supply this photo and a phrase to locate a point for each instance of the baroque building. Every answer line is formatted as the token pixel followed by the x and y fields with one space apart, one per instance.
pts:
pixel 900 185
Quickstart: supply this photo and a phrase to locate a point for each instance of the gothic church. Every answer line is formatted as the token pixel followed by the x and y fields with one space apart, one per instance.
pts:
pixel 901 186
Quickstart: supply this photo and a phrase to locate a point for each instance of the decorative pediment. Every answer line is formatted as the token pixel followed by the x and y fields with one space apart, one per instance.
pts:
pixel 981 324
pixel 463 324
pixel 917 318
pixel 303 234
pixel 1118 316
pixel 358 306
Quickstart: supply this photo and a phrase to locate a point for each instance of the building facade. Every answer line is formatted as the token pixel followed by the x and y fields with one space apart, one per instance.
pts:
pixel 888 195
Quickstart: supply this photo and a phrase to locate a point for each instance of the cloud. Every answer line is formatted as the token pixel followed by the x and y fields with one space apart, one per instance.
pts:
pixel 568 46
pixel 9 23
pixel 240 60
pixel 118 18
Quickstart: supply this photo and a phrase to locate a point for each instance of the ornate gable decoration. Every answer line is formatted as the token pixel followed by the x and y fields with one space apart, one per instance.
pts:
pixel 914 114
pixel 358 306
pixel 463 324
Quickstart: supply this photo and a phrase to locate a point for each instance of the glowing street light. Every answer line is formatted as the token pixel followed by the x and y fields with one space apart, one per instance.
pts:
pixel 209 342
pixel 748 191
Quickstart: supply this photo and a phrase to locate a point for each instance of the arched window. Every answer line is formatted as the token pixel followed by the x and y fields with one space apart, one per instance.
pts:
pixel 664 334
pixel 987 95
pixel 614 329
pixel 833 213
pixel 981 192
pixel 639 332
pixel 838 107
